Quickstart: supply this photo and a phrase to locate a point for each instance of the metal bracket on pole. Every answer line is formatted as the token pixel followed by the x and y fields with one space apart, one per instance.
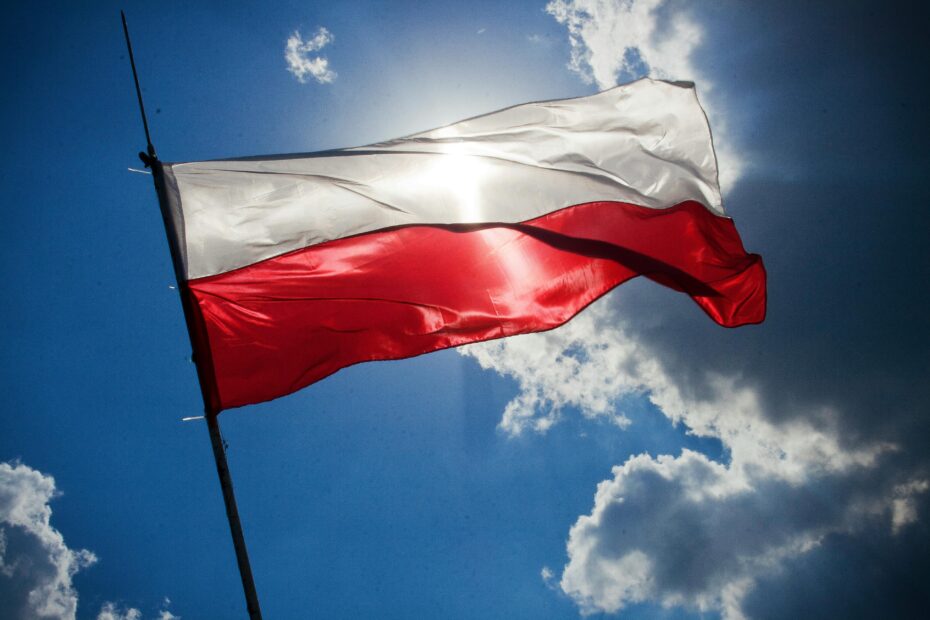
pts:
pixel 150 159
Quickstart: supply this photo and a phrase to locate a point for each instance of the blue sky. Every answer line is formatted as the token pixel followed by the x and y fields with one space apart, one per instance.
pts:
pixel 774 471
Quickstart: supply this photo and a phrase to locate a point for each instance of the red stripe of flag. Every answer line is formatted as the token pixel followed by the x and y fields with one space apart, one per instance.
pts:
pixel 281 324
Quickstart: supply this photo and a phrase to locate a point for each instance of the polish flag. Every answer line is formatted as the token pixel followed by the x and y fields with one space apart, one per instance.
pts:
pixel 295 266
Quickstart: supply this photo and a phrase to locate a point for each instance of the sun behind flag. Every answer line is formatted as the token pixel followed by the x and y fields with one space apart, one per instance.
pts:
pixel 295 266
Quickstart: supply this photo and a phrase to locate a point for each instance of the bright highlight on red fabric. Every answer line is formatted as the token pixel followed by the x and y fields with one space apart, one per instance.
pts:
pixel 281 324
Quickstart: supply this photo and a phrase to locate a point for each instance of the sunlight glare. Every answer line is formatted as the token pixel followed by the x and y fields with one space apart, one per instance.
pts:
pixel 460 174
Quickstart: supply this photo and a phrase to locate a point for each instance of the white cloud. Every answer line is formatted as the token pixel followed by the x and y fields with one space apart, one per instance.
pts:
pixel 540 40
pixel 608 38
pixel 111 611
pixel 904 504
pixel 577 365
pixel 687 530
pixel 301 60
pixel 36 566
pixel 593 361
pixel 619 40
pixel 548 578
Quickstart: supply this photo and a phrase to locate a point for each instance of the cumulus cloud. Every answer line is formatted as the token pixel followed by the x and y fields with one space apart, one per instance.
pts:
pixel 686 530
pixel 302 60
pixel 578 365
pixel 904 504
pixel 547 576
pixel 36 566
pixel 594 361
pixel 611 39
pixel 111 611
pixel 618 40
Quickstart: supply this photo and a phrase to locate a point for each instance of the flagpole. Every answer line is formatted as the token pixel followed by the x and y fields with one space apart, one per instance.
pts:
pixel 150 159
pixel 135 77
pixel 232 514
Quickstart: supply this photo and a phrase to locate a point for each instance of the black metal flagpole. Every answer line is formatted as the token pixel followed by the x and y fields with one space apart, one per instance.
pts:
pixel 150 160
